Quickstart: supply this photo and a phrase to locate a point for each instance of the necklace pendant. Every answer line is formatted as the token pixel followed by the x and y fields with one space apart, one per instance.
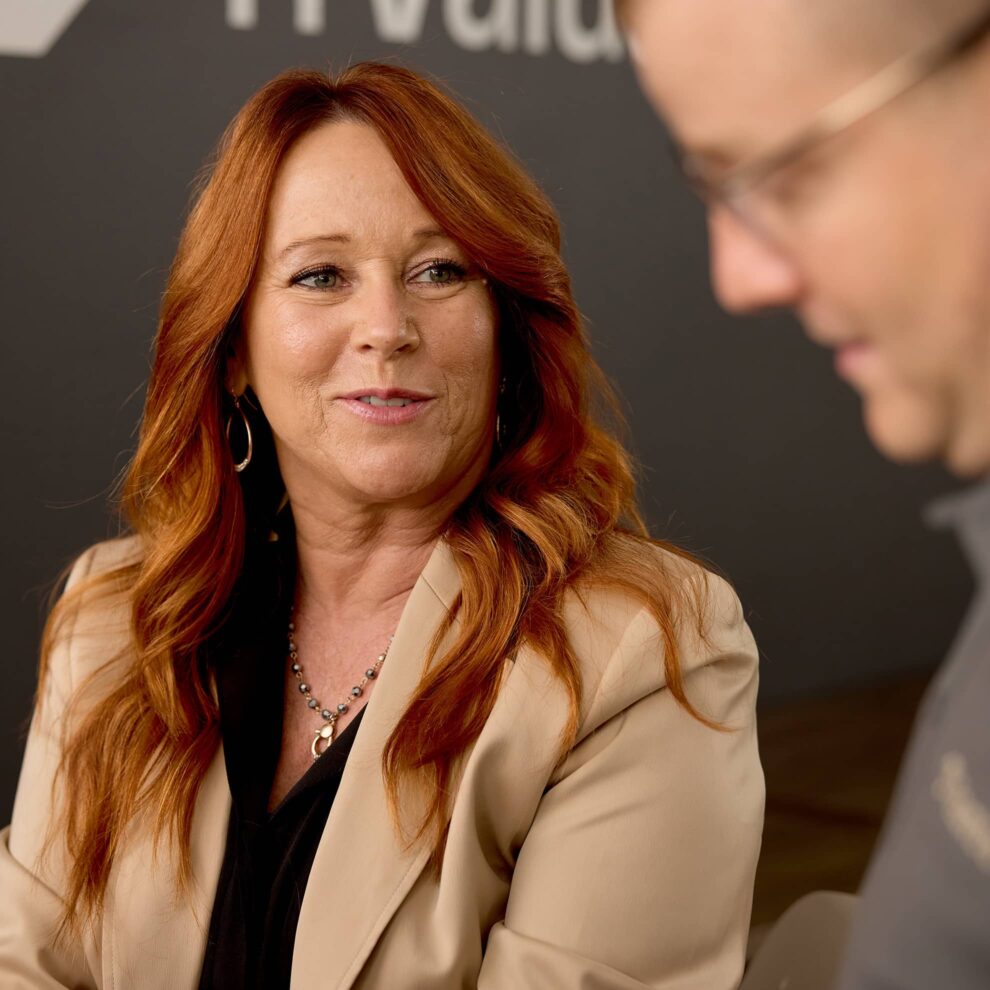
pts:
pixel 324 736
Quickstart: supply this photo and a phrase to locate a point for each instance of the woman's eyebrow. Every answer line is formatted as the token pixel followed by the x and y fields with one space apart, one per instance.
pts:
pixel 430 234
pixel 418 237
pixel 318 239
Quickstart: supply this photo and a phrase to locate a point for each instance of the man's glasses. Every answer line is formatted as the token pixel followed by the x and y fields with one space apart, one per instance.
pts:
pixel 739 188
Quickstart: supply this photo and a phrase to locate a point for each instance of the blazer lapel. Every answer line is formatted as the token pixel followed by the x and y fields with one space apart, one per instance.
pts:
pixel 361 874
pixel 156 937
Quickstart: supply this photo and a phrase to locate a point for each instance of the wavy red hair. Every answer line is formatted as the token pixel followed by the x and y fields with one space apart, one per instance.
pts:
pixel 557 506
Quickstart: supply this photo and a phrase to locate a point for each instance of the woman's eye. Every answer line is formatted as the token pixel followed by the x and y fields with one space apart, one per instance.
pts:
pixel 324 278
pixel 441 273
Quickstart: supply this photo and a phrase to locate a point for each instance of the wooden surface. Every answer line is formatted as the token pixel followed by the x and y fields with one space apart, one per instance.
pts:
pixel 830 767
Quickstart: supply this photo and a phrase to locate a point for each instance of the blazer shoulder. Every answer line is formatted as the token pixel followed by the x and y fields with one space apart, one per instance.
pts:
pixel 103 557
pixel 94 625
pixel 621 648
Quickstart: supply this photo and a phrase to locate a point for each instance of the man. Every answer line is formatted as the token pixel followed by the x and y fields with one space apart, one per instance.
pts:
pixel 843 149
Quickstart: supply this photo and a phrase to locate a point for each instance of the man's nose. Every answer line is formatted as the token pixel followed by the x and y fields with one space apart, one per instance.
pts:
pixel 384 322
pixel 748 272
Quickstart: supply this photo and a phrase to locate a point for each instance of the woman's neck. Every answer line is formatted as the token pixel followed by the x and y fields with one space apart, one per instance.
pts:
pixel 360 564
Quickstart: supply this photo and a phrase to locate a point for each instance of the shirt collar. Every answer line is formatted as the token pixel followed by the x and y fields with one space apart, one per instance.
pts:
pixel 968 513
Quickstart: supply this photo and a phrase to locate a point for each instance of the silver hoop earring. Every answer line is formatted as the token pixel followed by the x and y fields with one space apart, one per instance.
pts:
pixel 247 430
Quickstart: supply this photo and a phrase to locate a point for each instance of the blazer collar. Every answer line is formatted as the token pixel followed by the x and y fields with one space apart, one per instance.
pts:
pixel 361 872
pixel 154 938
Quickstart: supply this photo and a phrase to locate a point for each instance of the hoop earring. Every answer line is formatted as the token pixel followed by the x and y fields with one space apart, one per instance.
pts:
pixel 247 429
pixel 499 435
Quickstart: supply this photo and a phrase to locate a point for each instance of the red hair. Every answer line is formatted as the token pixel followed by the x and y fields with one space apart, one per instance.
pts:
pixel 556 507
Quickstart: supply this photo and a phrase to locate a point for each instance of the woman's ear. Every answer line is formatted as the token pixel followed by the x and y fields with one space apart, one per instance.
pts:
pixel 235 377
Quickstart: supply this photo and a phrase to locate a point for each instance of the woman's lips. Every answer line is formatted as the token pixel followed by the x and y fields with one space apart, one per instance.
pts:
pixel 386 415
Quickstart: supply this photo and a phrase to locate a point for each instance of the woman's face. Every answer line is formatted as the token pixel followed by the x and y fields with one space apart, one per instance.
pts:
pixel 368 336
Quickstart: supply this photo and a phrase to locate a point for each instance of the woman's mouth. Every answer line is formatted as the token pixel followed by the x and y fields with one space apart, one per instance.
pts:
pixel 374 400
pixel 387 407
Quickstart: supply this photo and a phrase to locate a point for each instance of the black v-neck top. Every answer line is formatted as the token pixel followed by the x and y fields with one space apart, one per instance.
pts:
pixel 268 857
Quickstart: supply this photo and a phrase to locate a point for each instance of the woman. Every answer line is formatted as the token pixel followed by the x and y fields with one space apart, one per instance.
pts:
pixel 477 729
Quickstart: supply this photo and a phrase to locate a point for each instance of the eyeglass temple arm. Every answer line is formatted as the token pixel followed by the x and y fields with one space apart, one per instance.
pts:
pixel 897 78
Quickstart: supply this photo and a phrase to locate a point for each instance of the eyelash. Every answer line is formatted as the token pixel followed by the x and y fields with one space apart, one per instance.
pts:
pixel 456 268
pixel 459 270
pixel 309 272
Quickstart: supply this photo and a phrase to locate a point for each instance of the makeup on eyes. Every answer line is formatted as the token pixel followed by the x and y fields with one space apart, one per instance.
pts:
pixel 455 271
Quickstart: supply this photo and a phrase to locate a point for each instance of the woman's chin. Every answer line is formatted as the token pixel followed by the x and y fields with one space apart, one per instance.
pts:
pixel 391 486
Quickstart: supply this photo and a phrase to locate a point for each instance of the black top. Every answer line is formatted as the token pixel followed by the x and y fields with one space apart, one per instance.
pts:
pixel 268 857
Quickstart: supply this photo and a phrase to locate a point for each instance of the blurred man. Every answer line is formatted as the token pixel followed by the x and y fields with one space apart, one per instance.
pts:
pixel 843 150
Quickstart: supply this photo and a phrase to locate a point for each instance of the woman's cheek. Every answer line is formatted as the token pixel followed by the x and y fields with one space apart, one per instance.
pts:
pixel 302 342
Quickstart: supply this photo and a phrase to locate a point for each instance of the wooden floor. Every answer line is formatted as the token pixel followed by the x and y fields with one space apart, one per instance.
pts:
pixel 830 767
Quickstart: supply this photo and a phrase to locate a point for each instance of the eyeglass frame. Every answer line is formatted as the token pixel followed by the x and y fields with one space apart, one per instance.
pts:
pixel 873 94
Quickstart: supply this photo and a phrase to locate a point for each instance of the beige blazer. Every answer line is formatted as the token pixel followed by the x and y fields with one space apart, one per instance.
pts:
pixel 628 865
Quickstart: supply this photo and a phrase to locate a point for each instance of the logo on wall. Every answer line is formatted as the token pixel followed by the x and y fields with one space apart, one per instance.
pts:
pixel 31 27
pixel 536 27
pixel 531 26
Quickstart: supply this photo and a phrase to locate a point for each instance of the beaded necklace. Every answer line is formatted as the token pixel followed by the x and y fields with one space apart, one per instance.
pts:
pixel 324 735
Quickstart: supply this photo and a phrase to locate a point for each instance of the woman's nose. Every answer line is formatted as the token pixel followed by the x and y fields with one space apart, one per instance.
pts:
pixel 383 319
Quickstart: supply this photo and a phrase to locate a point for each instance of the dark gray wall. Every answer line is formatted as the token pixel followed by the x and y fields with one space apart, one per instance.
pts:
pixel 753 451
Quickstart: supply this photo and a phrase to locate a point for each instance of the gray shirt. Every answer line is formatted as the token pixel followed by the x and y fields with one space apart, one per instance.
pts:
pixel 924 918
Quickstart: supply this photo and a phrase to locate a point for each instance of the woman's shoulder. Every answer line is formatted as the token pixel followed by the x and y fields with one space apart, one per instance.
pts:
pixel 621 643
pixel 607 617
pixel 105 557
pixel 97 591
pixel 91 628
